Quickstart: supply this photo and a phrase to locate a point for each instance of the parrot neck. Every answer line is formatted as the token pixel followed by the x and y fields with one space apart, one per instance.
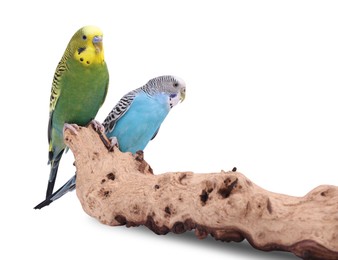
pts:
pixel 90 55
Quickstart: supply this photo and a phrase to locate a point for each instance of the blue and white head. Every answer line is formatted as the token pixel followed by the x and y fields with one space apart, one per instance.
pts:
pixel 172 86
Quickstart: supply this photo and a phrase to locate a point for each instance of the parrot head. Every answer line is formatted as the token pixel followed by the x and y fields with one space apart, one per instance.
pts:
pixel 87 46
pixel 180 86
pixel 172 86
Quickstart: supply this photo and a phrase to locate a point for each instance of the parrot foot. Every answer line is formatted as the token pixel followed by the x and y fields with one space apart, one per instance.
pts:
pixel 98 127
pixel 113 142
pixel 109 143
pixel 72 127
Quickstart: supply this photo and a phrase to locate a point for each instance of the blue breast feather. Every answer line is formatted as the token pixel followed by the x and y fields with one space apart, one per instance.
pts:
pixel 139 124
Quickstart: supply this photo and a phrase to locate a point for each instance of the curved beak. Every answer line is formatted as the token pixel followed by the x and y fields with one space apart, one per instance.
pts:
pixel 182 92
pixel 97 41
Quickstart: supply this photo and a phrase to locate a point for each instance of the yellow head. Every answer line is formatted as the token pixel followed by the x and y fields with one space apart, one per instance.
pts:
pixel 86 46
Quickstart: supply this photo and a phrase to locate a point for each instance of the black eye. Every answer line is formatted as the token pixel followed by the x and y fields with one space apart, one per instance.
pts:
pixel 176 84
pixel 84 37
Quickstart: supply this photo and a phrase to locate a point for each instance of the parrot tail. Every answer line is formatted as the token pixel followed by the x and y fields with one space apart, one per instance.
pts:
pixel 68 186
pixel 53 172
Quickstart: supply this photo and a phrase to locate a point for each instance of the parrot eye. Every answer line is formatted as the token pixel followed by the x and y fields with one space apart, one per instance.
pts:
pixel 84 37
pixel 175 84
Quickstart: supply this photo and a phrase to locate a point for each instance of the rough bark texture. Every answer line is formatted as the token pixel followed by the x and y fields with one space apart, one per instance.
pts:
pixel 120 189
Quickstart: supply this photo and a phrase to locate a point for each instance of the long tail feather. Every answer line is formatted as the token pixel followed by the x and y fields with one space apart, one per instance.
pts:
pixel 68 186
pixel 53 172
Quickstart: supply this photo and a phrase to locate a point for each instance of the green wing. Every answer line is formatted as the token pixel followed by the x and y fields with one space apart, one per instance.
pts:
pixel 55 93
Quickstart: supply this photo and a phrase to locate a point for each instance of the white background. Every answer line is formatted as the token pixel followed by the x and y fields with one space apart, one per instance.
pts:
pixel 261 95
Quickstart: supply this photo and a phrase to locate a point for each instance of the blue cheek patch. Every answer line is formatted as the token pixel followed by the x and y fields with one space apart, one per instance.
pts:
pixel 173 95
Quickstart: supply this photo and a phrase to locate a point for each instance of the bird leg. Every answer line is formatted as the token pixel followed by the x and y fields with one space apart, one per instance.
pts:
pixel 113 142
pixel 108 142
pixel 98 127
pixel 72 127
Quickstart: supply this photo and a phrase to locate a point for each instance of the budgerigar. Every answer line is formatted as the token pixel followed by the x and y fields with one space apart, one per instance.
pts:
pixel 136 119
pixel 79 89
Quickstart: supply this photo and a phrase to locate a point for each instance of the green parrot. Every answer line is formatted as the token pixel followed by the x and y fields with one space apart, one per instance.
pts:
pixel 79 89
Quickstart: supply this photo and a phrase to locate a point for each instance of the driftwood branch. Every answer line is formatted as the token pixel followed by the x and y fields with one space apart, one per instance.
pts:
pixel 120 189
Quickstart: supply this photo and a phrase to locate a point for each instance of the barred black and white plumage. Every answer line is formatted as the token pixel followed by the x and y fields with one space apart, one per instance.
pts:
pixel 166 84
pixel 121 107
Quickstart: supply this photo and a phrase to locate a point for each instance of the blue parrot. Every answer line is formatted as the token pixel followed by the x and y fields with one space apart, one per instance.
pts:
pixel 136 119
